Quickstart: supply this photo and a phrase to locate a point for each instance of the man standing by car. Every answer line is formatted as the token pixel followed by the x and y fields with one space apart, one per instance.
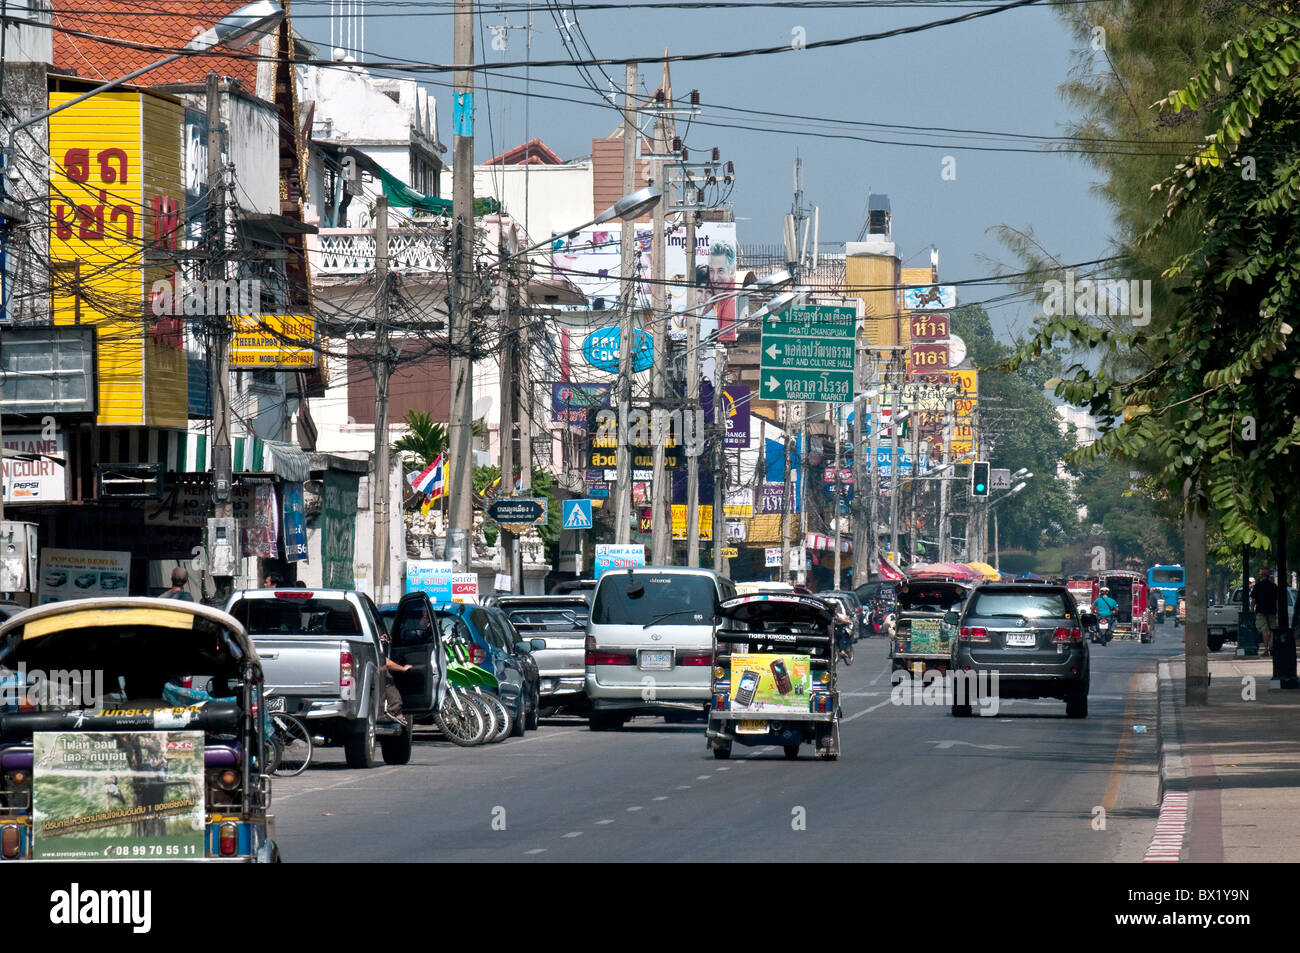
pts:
pixel 1265 597
pixel 180 577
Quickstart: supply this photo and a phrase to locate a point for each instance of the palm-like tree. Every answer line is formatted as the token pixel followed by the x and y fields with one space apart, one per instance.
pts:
pixel 425 438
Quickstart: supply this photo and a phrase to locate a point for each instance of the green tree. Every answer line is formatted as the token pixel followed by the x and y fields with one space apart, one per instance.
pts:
pixel 426 439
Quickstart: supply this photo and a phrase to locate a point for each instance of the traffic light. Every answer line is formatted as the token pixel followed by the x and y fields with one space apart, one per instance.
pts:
pixel 981 478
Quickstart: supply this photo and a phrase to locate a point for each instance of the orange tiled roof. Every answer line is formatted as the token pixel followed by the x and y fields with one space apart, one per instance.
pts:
pixel 163 26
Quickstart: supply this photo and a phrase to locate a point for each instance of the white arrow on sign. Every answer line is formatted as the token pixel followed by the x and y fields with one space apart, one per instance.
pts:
pixel 941 745
pixel 773 351
pixel 773 383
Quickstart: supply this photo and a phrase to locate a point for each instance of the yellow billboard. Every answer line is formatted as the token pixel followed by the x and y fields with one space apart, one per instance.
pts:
pixel 272 342
pixel 706 521
pixel 116 189
pixel 874 279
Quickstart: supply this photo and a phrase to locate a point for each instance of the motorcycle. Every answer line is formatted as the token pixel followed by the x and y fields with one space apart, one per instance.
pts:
pixel 844 640
pixel 1102 631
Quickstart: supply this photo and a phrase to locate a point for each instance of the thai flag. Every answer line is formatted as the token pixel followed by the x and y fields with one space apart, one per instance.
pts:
pixel 428 478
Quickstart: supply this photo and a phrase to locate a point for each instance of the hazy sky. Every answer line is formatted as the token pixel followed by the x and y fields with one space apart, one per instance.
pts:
pixel 997 74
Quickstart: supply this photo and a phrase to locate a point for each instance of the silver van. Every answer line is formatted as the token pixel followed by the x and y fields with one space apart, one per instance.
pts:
pixel 649 645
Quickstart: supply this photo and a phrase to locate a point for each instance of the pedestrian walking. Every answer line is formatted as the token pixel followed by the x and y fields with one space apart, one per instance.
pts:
pixel 1265 599
pixel 180 577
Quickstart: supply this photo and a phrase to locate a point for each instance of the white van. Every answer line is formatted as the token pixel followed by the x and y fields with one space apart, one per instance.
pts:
pixel 649 646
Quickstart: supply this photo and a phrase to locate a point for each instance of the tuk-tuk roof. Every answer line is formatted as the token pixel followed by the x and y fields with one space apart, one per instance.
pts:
pixel 777 608
pixel 87 615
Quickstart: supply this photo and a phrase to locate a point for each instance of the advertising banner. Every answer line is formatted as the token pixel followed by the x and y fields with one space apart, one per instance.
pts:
pixel 770 683
pixel 43 479
pixel 464 587
pixel 131 795
pixel 614 556
pixel 82 573
pixel 433 577
pixel 339 529
pixel 772 557
pixel 570 403
pixel 705 519
pixel 739 503
pixel 262 535
pixel 735 411
pixel 295 524
pixel 273 342
pixel 933 298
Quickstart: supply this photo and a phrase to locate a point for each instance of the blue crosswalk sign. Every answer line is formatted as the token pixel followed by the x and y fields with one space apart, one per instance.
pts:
pixel 576 514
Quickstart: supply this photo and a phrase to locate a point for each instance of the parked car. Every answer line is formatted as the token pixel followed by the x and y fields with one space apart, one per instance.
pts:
pixel 1222 620
pixel 492 647
pixel 521 647
pixel 560 622
pixel 321 653
pixel 575 587
pixel 649 646
pixel 1031 636
pixel 852 606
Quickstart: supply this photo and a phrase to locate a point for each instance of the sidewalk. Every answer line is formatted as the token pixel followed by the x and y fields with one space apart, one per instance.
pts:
pixel 1237 760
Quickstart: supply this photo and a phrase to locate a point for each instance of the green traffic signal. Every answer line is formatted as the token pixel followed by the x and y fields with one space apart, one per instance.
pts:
pixel 981 478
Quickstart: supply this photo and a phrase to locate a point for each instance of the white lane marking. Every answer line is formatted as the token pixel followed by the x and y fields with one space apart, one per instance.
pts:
pixel 1166 845
pixel 866 711
pixel 703 777
pixel 634 808
pixel 722 769
pixel 574 834
pixel 683 787
pixel 881 675
pixel 662 797
pixel 941 745
pixel 337 784
pixel 608 820
pixel 536 850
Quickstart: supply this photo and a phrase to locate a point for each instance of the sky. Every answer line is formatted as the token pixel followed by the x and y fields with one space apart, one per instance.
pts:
pixel 999 73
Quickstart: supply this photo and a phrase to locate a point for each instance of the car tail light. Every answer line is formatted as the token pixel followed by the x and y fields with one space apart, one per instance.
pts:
pixel 347 671
pixel 187 681
pixel 228 839
pixel 477 654
pixel 696 658
pixel 610 658
pixel 294 594
pixel 1067 635
pixel 11 841
pixel 973 634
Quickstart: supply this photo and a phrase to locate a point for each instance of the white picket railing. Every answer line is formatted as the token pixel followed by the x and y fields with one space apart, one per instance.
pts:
pixel 351 251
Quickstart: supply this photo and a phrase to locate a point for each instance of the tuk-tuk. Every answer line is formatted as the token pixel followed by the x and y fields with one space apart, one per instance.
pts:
pixel 774 677
pixel 97 764
pixel 923 640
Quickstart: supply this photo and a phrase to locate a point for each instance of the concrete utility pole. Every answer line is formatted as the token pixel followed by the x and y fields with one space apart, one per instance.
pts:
pixel 873 502
pixel 623 484
pixel 525 405
pixel 220 349
pixel 459 330
pixel 383 368
pixel 836 524
pixel 787 495
pixel 803 488
pixel 506 430
pixel 1196 651
pixel 895 484
pixel 945 518
pixel 692 392
pixel 660 514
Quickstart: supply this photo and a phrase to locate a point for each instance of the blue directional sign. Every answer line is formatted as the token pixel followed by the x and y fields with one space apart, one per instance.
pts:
pixel 576 514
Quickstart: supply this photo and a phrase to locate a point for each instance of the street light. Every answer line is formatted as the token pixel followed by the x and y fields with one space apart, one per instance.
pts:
pixel 997 561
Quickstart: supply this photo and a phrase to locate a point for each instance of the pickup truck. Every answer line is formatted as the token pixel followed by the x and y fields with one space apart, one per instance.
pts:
pixel 561 622
pixel 1221 620
pixel 321 653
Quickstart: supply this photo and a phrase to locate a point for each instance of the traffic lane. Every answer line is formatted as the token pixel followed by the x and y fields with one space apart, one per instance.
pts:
pixel 492 802
pixel 913 784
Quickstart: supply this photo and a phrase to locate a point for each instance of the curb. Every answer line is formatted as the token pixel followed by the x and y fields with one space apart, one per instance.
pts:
pixel 1172 761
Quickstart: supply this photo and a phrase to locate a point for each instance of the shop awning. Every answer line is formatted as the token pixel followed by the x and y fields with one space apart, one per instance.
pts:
pixel 192 453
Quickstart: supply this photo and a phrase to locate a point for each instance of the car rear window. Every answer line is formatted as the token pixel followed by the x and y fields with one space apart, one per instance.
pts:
pixel 554 619
pixel 932 598
pixel 297 616
pixel 1014 605
pixel 642 598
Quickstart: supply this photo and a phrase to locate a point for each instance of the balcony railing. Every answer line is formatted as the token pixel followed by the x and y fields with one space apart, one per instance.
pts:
pixel 351 251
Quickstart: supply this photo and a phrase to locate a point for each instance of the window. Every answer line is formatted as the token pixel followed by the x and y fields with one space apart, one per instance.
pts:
pixel 298 616
pixel 643 598
pixel 1016 605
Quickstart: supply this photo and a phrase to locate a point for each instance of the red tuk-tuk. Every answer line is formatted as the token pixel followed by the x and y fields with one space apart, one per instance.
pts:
pixel 1133 617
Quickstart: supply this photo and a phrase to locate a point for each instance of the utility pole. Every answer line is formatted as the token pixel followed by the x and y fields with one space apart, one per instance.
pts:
pixel 383 368
pixel 787 495
pixel 506 430
pixel 945 518
pixel 459 330
pixel 837 497
pixel 873 502
pixel 219 352
pixel 895 484
pixel 623 485
pixel 692 391
pixel 661 525
pixel 803 487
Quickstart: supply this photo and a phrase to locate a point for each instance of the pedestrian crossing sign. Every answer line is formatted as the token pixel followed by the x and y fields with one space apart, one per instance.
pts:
pixel 577 514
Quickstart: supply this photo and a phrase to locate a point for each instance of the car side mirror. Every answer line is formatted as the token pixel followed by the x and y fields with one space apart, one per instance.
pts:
pixel 523 648
pixel 951 618
pixel 1088 618
pixel 537 644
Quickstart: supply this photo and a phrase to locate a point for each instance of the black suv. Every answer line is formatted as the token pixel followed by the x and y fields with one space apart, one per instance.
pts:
pixel 1030 636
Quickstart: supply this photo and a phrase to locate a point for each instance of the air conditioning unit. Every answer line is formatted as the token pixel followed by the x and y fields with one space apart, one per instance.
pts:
pixel 129 481
pixel 19 557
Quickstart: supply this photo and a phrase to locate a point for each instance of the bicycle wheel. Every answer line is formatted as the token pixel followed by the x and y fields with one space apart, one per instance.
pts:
pixel 271 748
pixel 501 720
pixel 461 722
pixel 295 745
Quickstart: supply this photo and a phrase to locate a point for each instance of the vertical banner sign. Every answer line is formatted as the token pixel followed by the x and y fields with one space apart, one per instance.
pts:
pixel 735 411
pixel 432 577
pixel 339 529
pixel 295 524
pixel 929 327
pixel 262 534
pixel 124 795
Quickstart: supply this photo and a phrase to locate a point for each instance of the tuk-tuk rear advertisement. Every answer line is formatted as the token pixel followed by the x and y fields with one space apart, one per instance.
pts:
pixel 763 682
pixel 127 795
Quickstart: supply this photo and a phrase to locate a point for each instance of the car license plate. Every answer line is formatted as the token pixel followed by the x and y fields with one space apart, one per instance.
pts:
pixel 1021 638
pixel 655 661
pixel 276 703
pixel 751 727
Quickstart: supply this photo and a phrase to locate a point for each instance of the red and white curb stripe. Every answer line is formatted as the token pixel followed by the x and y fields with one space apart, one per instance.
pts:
pixel 1171 825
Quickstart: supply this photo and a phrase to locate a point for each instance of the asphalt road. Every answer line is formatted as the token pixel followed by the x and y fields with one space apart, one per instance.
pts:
pixel 912 784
